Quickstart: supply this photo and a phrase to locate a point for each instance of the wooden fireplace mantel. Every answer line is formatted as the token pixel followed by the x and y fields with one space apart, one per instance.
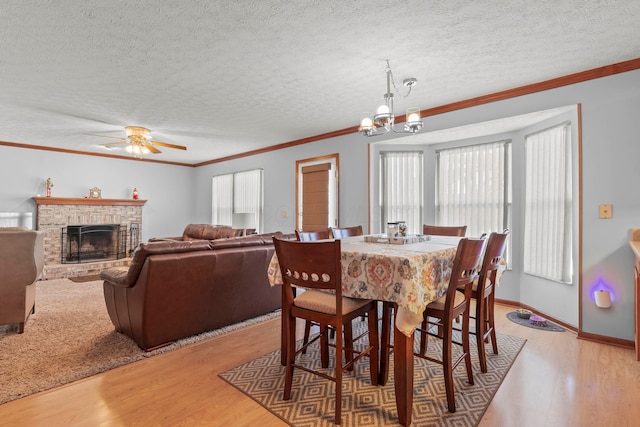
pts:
pixel 87 201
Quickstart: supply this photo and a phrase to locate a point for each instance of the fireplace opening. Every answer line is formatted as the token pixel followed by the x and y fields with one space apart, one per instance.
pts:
pixel 89 243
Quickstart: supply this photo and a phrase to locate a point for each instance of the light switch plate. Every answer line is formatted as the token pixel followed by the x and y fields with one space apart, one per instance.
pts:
pixel 605 211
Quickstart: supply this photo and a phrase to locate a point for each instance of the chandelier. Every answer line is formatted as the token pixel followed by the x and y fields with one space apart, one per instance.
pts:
pixel 370 125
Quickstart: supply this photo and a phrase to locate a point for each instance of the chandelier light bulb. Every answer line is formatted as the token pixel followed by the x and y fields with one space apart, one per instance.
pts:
pixel 413 117
pixel 366 122
pixel 383 109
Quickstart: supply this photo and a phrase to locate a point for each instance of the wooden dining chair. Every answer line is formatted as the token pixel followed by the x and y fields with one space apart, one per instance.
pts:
pixel 316 266
pixel 339 233
pixel 308 236
pixel 483 292
pixel 444 310
pixel 443 230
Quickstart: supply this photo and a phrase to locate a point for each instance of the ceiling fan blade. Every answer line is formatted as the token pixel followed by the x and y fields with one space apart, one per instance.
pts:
pixel 164 144
pixel 153 149
pixel 104 136
pixel 109 144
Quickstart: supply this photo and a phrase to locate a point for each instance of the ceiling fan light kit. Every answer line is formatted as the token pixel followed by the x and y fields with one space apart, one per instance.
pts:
pixel 384 117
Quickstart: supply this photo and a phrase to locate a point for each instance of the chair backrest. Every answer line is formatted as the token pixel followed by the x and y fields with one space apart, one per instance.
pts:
pixel 491 262
pixel 308 236
pixel 313 265
pixel 441 230
pixel 465 268
pixel 339 233
pixel 21 256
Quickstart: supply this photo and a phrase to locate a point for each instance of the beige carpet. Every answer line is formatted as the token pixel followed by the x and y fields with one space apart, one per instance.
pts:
pixel 70 337
pixel 312 402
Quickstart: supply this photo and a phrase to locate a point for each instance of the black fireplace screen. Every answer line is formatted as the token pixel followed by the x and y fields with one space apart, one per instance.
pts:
pixel 88 243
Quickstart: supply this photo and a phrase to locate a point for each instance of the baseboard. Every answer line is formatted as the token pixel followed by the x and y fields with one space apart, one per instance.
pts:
pixel 601 339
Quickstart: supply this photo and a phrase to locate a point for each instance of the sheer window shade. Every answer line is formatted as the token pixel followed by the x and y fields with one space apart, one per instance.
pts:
pixel 401 189
pixel 548 203
pixel 474 187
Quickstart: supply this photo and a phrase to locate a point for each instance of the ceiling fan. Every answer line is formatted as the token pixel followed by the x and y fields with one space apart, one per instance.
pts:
pixel 139 142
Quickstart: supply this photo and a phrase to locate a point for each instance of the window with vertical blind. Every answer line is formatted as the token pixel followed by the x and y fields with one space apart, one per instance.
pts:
pixel 237 199
pixel 473 187
pixel 400 189
pixel 548 204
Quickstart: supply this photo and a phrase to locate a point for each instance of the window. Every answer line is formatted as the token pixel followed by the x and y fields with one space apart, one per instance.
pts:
pixel 237 199
pixel 548 203
pixel 473 187
pixel 401 189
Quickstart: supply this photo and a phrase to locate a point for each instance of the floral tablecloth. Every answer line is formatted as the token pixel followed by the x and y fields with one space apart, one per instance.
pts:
pixel 411 275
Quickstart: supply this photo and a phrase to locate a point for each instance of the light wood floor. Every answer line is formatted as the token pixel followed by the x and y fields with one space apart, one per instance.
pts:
pixel 557 380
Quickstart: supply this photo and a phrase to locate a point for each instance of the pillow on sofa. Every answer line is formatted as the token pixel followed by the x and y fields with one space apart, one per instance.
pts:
pixel 208 232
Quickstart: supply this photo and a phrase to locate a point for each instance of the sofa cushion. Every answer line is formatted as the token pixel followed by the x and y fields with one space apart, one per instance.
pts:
pixel 144 250
pixel 251 240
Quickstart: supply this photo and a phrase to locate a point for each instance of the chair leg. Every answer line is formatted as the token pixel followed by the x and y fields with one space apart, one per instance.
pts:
pixel 307 332
pixel 373 341
pixel 424 337
pixel 291 354
pixel 348 343
pixel 447 366
pixel 338 383
pixel 324 346
pixel 465 346
pixel 481 327
pixel 385 342
pixel 492 324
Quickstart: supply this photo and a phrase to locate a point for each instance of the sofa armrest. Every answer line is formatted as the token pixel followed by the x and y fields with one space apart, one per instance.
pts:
pixel 117 276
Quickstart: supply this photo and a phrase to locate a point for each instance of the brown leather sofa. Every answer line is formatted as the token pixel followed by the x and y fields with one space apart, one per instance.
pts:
pixel 21 264
pixel 177 288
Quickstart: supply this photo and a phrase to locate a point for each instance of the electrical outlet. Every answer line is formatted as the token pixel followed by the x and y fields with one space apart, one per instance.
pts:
pixel 605 211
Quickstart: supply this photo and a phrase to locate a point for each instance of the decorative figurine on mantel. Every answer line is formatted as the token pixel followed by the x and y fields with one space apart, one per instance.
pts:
pixel 135 193
pixel 49 185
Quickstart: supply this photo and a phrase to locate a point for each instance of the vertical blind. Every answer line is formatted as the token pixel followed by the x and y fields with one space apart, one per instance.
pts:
pixel 237 193
pixel 548 204
pixel 222 200
pixel 247 191
pixel 474 187
pixel 401 189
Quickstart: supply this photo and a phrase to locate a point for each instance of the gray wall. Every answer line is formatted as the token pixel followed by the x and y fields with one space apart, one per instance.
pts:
pixel 168 189
pixel 179 195
pixel 610 147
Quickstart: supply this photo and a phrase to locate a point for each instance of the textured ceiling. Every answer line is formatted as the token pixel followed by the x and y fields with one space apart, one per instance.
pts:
pixel 225 77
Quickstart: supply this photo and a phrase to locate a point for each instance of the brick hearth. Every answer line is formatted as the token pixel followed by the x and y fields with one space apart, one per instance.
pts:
pixel 54 213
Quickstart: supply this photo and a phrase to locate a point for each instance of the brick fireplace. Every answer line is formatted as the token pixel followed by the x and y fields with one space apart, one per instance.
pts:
pixel 54 214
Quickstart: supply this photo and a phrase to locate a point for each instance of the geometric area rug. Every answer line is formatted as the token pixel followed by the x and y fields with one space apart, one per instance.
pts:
pixel 312 397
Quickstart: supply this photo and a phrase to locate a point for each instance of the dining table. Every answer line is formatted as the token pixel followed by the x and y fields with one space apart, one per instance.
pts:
pixel 405 274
